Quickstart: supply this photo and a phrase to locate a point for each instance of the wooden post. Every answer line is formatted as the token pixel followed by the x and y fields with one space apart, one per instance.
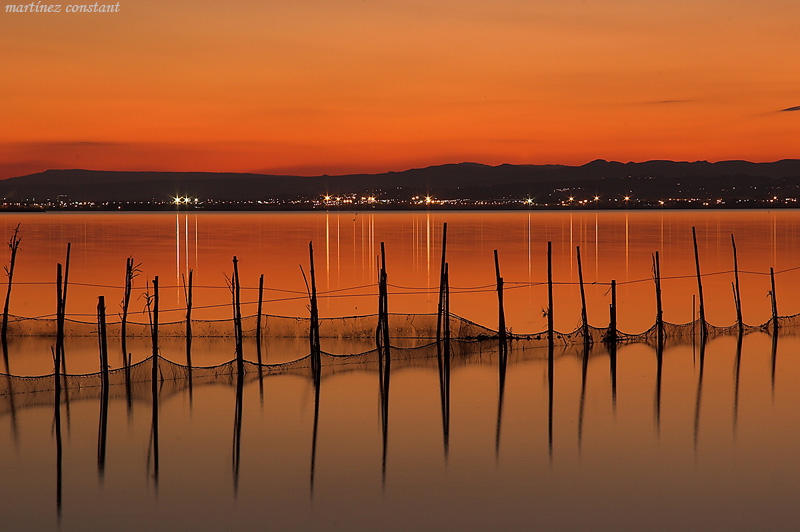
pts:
pixel 238 317
pixel 550 293
pixel 385 309
pixel 659 310
pixel 188 296
pixel 446 316
pixel 154 327
pixel 736 290
pixel 13 243
pixel 501 315
pixel 584 318
pixel 774 302
pixel 314 328
pixel 441 285
pixel 64 310
pixel 703 324
pixel 258 318
pixel 59 315
pixel 101 334
pixel 612 327
pixel 126 298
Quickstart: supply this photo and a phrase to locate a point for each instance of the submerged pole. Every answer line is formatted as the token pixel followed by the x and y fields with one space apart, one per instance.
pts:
pixel 550 293
pixel 101 334
pixel 13 243
pixel 703 325
pixel 774 302
pixel 501 315
pixel 188 296
pixel 612 327
pixel 59 315
pixel 584 318
pixel 659 310
pixel 736 291
pixel 237 316
pixel 126 299
pixel 154 374
pixel 441 285
pixel 258 318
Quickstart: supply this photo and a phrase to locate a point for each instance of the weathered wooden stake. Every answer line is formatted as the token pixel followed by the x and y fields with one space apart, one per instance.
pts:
pixel 441 285
pixel 59 315
pixel 385 300
pixel 13 244
pixel 612 327
pixel 238 317
pixel 501 315
pixel 774 302
pixel 659 310
pixel 736 290
pixel 126 299
pixel 64 309
pixel 550 293
pixel 101 334
pixel 188 296
pixel 703 324
pixel 584 318
pixel 447 315
pixel 154 374
pixel 314 328
pixel 258 318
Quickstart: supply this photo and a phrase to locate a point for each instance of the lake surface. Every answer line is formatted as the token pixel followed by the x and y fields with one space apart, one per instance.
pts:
pixel 691 437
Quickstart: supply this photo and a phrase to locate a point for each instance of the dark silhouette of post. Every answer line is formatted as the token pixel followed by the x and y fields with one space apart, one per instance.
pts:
pixel 101 334
pixel 774 303
pixel 550 293
pixel 314 329
pixel 703 324
pixel 736 288
pixel 126 299
pixel 13 245
pixel 238 317
pixel 501 315
pixel 154 334
pixel 441 285
pixel 584 318
pixel 659 310
pixel 258 317
pixel 611 335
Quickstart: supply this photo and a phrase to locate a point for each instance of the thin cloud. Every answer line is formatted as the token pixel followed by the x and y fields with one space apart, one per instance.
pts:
pixel 790 109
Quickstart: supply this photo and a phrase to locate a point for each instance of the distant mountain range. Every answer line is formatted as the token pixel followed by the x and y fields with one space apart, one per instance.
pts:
pixel 648 181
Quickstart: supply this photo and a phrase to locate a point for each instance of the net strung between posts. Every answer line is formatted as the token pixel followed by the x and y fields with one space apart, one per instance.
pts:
pixel 471 344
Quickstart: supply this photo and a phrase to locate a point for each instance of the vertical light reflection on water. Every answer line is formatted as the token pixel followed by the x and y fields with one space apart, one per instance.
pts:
pixel 428 248
pixel 195 242
pixel 177 257
pixel 627 249
pixel 596 248
pixel 186 238
pixel 327 255
pixel 338 247
pixel 571 246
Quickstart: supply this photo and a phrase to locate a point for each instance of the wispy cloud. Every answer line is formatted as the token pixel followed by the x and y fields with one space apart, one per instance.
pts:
pixel 790 109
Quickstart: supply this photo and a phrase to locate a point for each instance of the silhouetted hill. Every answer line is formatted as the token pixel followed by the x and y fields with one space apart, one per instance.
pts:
pixel 649 180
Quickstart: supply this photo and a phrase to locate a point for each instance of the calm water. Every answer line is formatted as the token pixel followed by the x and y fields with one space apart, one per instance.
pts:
pixel 691 439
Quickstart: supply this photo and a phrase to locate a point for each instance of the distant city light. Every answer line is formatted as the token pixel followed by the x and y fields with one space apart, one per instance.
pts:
pixel 627 198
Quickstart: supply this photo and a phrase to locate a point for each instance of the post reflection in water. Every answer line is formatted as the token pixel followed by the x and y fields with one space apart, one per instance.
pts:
pixel 762 429
pixel 592 420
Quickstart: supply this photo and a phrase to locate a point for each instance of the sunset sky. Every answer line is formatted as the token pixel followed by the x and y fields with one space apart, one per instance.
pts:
pixel 317 86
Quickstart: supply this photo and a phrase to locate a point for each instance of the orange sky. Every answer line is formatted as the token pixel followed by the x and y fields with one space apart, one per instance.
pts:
pixel 316 86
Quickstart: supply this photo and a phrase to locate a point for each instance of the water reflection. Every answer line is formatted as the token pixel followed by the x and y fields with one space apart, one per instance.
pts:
pixel 469 384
